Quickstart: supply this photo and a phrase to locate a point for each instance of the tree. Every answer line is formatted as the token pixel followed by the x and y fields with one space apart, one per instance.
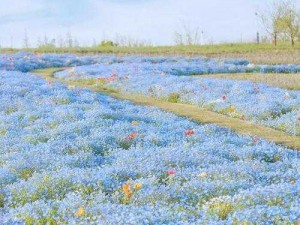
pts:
pixel 188 36
pixel 282 19
pixel 291 20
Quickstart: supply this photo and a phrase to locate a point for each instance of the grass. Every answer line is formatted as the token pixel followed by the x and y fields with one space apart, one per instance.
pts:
pixel 189 111
pixel 264 53
pixel 286 81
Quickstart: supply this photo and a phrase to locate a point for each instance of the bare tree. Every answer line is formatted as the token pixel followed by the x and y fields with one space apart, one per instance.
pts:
pixel 178 38
pixel 188 36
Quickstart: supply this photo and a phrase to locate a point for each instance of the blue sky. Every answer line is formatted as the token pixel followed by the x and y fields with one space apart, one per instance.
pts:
pixel 153 20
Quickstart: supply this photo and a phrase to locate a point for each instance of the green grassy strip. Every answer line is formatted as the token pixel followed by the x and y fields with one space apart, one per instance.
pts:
pixel 189 111
pixel 192 49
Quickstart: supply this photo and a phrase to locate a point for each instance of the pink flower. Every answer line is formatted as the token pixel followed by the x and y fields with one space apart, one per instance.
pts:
pixel 255 140
pixel 171 172
pixel 189 132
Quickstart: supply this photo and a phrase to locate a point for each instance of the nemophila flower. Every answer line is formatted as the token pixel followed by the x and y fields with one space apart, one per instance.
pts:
pixel 256 101
pixel 189 132
pixel 80 212
pixel 171 172
pixel 76 151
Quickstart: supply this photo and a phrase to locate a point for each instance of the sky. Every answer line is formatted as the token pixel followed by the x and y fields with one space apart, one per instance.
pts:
pixel 153 21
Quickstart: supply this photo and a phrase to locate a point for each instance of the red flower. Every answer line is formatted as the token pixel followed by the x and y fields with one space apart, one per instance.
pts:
pixel 189 132
pixel 298 118
pixel 171 172
pixel 224 97
pixel 256 87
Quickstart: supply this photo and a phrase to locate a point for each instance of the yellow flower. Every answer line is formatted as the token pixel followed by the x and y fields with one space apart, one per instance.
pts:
pixel 232 108
pixel 80 212
pixel 137 186
pixel 203 175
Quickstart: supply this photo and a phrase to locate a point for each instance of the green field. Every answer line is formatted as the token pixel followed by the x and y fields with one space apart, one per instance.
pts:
pixel 264 53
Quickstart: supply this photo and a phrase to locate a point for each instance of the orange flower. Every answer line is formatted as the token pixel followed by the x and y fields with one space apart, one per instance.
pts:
pixel 127 190
pixel 80 212
pixel 132 136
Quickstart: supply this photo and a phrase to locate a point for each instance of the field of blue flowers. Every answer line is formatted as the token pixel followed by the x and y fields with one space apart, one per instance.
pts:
pixel 159 77
pixel 73 156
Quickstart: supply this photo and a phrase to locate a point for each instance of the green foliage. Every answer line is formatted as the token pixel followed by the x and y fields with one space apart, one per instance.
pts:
pixel 174 98
pixel 189 50
pixel 63 101
pixel 1 200
pixel 271 159
pixel 36 140
pixel 221 209
pixel 125 144
pixel 107 43
pixel 26 173
pixel 3 132
pixel 10 110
